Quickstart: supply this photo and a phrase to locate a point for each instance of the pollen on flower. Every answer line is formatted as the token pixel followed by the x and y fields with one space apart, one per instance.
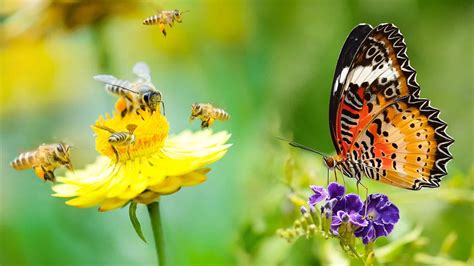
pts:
pixel 150 134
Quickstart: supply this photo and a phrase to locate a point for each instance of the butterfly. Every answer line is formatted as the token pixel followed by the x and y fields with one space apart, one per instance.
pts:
pixel 379 125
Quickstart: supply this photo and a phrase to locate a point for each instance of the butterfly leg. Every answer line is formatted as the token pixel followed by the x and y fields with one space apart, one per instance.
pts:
pixel 335 175
pixel 366 194
pixel 344 180
pixel 327 177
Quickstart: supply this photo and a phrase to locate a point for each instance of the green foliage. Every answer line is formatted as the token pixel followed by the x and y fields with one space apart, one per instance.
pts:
pixel 132 213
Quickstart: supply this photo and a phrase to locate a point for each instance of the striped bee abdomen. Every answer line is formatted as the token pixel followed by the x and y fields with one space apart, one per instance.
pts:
pixel 120 138
pixel 24 161
pixel 117 87
pixel 152 20
pixel 220 114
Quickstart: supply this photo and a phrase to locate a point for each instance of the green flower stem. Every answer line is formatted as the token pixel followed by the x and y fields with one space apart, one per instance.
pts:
pixel 155 217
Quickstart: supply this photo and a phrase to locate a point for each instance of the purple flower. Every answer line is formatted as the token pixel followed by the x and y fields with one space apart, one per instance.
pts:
pixel 347 209
pixel 381 215
pixel 320 194
pixel 335 191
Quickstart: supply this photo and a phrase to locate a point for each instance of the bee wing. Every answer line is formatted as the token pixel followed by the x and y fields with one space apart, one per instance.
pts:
pixel 142 70
pixel 106 78
pixel 109 79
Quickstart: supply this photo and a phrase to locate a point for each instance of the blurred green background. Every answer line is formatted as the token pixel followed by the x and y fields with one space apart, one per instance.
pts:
pixel 269 64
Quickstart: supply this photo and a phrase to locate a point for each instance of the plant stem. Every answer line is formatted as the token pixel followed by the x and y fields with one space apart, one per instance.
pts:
pixel 155 217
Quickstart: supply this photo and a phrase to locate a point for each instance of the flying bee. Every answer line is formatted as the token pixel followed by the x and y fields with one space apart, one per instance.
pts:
pixel 44 160
pixel 140 94
pixel 120 139
pixel 208 114
pixel 165 18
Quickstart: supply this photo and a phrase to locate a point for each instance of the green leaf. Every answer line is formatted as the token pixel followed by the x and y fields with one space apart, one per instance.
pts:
pixel 391 251
pixel 132 212
pixel 448 244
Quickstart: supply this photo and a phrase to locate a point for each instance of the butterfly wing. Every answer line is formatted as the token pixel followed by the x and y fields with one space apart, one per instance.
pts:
pixel 405 145
pixel 379 75
pixel 352 44
pixel 380 82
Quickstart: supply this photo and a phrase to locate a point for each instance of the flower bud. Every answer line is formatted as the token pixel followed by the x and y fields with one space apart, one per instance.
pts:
pixel 345 218
pixel 303 210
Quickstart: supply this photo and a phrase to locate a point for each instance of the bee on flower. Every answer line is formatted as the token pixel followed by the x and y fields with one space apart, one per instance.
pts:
pixel 120 139
pixel 147 165
pixel 134 96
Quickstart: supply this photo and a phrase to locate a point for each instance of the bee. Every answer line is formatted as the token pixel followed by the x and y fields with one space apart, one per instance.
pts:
pixel 208 114
pixel 44 160
pixel 120 139
pixel 165 18
pixel 141 94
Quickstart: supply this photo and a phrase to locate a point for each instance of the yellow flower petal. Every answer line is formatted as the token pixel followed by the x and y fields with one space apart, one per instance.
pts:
pixel 147 197
pixel 158 165
pixel 112 203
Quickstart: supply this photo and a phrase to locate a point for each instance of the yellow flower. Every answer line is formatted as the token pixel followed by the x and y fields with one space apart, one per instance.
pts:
pixel 154 165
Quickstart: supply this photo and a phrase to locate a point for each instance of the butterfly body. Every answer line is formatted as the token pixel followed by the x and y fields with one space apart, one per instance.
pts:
pixel 379 126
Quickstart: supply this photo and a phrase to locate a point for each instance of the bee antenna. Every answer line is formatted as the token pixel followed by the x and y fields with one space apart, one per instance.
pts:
pixel 163 104
pixel 301 146
pixel 127 89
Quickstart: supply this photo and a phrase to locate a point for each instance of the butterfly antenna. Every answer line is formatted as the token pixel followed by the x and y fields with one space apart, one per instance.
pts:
pixel 301 146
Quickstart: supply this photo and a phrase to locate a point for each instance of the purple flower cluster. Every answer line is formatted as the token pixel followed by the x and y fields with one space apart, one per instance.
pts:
pixel 369 220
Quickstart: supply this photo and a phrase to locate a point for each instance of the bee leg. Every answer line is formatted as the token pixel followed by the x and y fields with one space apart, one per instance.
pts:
pixel 39 171
pixel 164 111
pixel 123 113
pixel 128 152
pixel 48 175
pixel 138 113
pixel 162 28
pixel 210 122
pixel 116 154
pixel 204 124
